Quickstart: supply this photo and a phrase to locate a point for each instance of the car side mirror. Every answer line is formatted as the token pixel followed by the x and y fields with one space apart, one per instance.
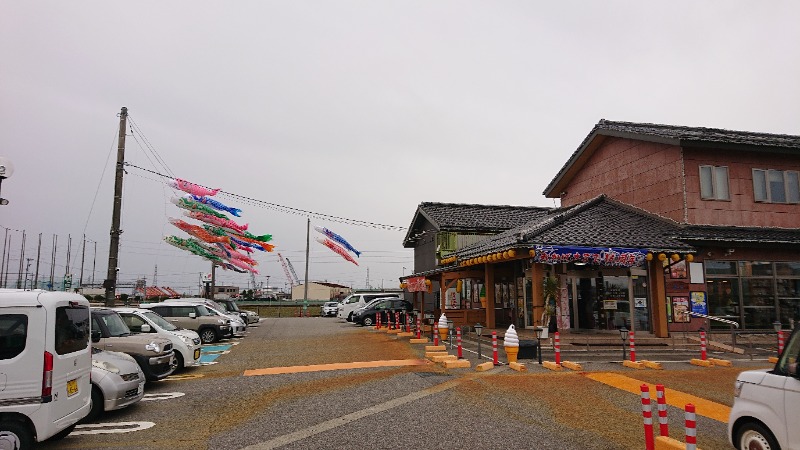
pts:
pixel 192 315
pixel 146 328
pixel 96 335
pixel 791 369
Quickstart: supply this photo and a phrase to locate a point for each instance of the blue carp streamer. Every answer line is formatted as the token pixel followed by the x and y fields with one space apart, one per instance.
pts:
pixel 217 205
pixel 335 237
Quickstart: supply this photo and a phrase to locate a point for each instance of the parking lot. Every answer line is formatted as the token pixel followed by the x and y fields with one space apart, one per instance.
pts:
pixel 316 382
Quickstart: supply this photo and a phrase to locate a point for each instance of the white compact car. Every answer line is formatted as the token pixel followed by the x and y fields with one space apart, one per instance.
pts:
pixel 117 382
pixel 186 343
pixel 766 404
pixel 45 365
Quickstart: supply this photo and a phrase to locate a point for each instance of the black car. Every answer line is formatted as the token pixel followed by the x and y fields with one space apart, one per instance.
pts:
pixel 366 316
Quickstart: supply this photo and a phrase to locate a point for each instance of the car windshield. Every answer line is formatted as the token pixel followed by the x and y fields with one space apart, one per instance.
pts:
pixel 116 327
pixel 231 306
pixel 159 321
pixel 347 299
pixel 203 311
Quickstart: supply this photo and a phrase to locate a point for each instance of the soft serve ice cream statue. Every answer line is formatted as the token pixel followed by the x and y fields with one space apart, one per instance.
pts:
pixel 443 327
pixel 511 344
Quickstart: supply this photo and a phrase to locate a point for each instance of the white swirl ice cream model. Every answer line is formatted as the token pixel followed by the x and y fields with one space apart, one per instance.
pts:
pixel 511 344
pixel 443 327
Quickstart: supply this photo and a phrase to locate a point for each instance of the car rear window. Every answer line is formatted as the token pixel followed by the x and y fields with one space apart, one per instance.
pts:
pixel 72 329
pixel 13 334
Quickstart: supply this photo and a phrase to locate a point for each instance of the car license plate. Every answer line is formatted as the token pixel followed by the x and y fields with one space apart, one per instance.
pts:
pixel 197 353
pixel 141 388
pixel 72 387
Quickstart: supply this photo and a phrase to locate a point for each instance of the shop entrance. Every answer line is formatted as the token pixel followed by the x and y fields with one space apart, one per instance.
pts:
pixel 608 300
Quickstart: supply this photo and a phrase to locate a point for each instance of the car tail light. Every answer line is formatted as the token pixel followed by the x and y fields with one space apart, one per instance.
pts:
pixel 47 378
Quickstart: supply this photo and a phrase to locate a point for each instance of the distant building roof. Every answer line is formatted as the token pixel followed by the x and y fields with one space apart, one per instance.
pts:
pixel 671 135
pixel 461 217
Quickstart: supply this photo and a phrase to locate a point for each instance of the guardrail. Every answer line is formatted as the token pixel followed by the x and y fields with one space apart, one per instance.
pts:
pixel 734 325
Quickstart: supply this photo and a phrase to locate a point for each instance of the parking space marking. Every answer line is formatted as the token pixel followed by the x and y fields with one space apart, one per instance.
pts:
pixel 706 408
pixel 110 428
pixel 183 377
pixel 215 348
pixel 162 396
pixel 336 366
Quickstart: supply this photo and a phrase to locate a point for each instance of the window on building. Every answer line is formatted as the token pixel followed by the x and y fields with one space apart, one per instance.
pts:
pixel 776 186
pixel 714 183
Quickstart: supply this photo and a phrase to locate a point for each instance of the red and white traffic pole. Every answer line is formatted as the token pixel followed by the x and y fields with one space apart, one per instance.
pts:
pixel 557 343
pixel 647 415
pixel 378 321
pixel 435 334
pixel 691 427
pixel 458 341
pixel 780 342
pixel 397 324
pixel 408 323
pixel 703 354
pixel 633 346
pixel 419 326
pixel 663 423
pixel 494 349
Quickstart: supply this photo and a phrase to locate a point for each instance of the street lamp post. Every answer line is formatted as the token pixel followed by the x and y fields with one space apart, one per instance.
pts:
pixel 538 331
pixel 623 334
pixel 479 330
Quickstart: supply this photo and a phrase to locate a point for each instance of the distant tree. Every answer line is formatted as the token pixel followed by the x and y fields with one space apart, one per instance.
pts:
pixel 247 294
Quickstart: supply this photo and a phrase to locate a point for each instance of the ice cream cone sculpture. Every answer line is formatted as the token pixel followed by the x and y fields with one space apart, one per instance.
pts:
pixel 443 327
pixel 511 344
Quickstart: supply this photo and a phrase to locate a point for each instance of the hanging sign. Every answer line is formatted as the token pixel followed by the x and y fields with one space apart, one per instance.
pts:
pixel 416 284
pixel 614 257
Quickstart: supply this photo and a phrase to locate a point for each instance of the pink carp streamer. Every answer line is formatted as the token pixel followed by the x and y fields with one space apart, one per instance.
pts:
pixel 218 221
pixel 337 249
pixel 192 188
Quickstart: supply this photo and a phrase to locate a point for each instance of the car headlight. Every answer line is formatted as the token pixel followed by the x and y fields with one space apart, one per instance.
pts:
pixel 107 366
pixel 221 321
pixel 153 347
pixel 737 388
pixel 186 340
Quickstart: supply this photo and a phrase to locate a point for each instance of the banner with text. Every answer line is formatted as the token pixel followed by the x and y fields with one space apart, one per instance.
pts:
pixel 609 256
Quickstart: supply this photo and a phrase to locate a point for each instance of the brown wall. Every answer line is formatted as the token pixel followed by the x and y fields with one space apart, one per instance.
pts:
pixel 643 174
pixel 741 210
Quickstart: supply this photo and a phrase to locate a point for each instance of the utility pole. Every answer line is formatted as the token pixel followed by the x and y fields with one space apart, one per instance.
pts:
pixel 83 259
pixel 27 271
pixel 38 255
pixel 113 251
pixel 308 240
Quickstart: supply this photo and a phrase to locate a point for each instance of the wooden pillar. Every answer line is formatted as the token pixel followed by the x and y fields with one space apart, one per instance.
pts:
pixel 658 296
pixel 489 283
pixel 537 274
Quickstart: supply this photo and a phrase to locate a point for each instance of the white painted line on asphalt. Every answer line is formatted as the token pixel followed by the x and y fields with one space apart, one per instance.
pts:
pixel 298 435
pixel 111 428
pixel 162 396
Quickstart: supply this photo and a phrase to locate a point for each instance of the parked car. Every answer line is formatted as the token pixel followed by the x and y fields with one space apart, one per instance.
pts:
pixel 329 309
pixel 185 343
pixel 354 301
pixel 193 316
pixel 230 306
pixel 154 354
pixel 366 316
pixel 117 382
pixel 237 324
pixel 766 404
pixel 44 355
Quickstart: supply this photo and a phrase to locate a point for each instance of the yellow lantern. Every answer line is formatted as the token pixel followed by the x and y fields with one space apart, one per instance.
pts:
pixel 484 259
pixel 662 257
pixel 428 282
pixel 532 253
pixel 649 256
pixel 505 254
pixel 675 257
pixel 512 253
pixel 403 285
pixel 458 286
pixel 689 258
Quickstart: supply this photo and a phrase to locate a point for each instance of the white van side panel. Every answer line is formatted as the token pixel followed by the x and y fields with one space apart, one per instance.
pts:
pixel 23 373
pixel 792 405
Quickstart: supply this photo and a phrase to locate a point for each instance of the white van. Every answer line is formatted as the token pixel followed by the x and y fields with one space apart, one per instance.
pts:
pixel 766 404
pixel 45 362
pixel 354 301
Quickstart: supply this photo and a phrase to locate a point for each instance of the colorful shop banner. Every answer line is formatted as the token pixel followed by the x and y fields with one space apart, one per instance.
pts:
pixel 614 257
pixel 416 284
pixel 699 303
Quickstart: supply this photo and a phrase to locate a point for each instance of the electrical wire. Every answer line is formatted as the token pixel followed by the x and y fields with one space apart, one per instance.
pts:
pixel 289 209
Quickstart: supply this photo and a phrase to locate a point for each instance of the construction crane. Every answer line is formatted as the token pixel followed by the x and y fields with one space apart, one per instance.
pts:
pixel 292 281
pixel 294 274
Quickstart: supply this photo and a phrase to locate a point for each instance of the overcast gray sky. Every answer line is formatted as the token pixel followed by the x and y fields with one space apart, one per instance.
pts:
pixel 357 109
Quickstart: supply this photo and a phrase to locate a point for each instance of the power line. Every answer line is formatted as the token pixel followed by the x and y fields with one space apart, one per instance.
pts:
pixel 289 209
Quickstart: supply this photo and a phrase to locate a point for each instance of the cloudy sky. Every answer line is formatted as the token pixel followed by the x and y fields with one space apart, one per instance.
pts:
pixel 354 109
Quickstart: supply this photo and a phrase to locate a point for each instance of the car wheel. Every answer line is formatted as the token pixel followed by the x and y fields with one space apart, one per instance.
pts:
pixel 368 321
pixel 97 406
pixel 15 435
pixel 178 360
pixel 754 436
pixel 208 335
